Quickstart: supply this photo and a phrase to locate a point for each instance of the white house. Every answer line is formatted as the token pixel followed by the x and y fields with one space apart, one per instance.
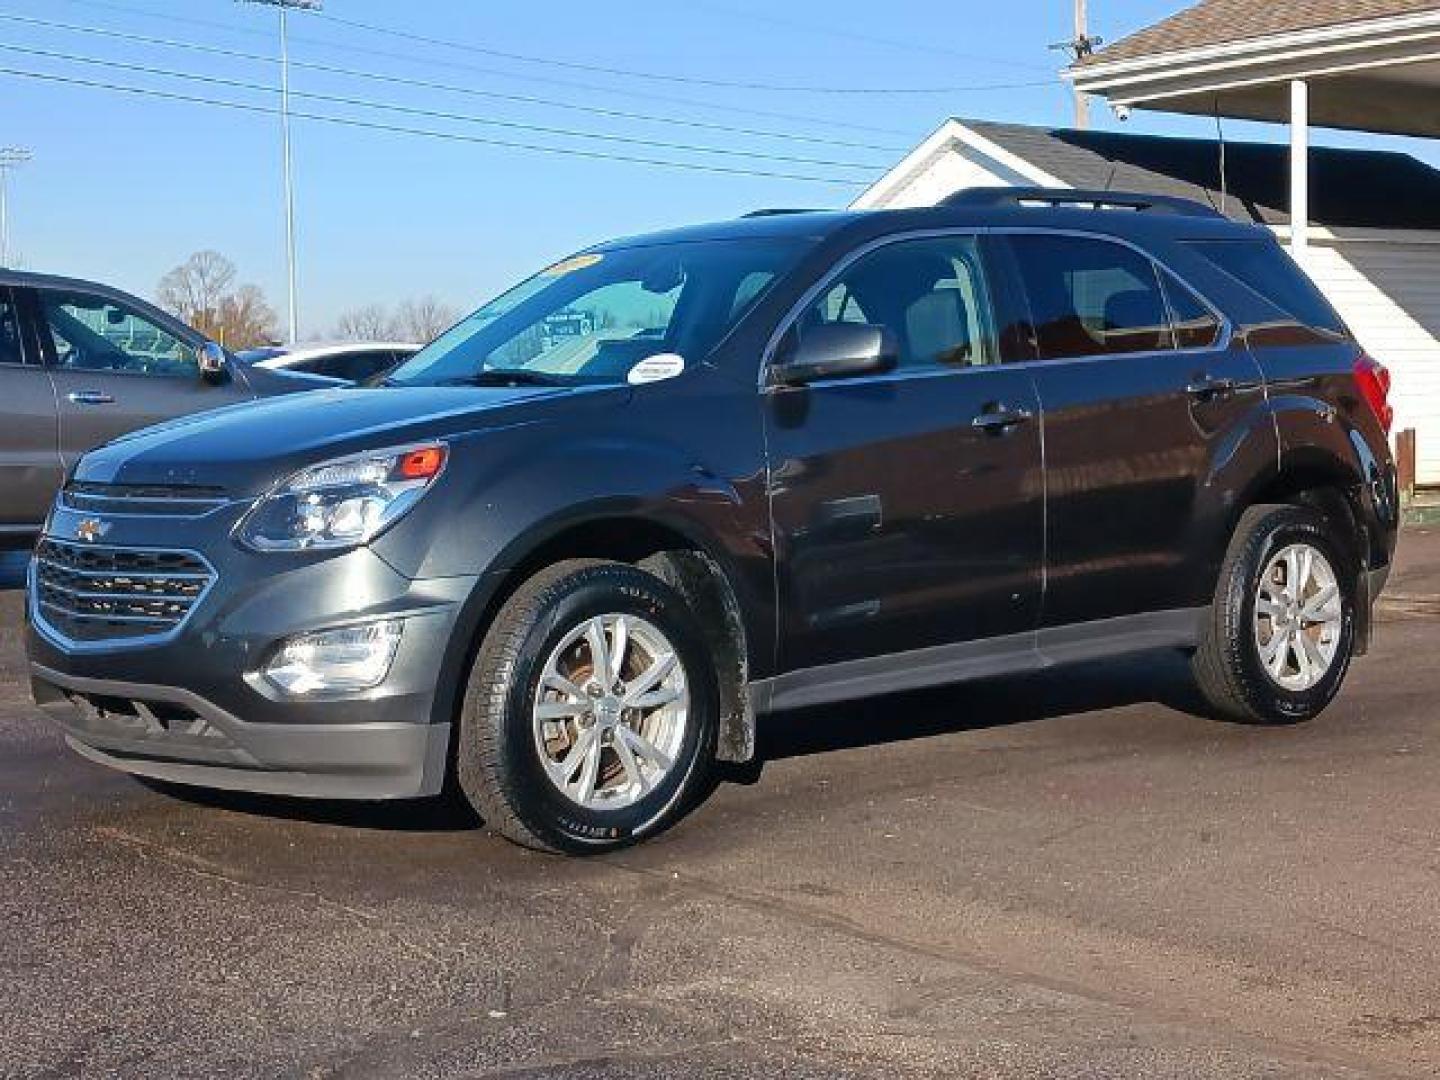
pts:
pixel 1374 236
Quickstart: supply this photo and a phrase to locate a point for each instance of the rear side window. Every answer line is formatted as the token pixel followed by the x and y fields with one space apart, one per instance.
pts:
pixel 1091 297
pixel 10 349
pixel 1265 269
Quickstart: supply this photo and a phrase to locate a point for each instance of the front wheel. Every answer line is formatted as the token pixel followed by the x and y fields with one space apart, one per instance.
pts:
pixel 1280 635
pixel 590 716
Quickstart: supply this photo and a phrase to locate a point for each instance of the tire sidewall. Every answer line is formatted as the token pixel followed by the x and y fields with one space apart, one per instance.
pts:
pixel 611 590
pixel 1272 698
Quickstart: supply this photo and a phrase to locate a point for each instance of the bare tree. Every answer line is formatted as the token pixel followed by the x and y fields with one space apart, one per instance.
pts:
pixel 368 323
pixel 194 290
pixel 247 319
pixel 201 291
pixel 423 320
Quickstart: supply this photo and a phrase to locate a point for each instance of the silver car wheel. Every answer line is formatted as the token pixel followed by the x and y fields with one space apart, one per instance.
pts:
pixel 1299 617
pixel 611 711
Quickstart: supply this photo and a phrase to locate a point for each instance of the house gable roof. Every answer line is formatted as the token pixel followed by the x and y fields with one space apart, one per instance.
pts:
pixel 1218 22
pixel 1378 189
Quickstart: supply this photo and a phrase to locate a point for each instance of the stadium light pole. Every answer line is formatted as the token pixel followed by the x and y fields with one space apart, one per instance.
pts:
pixel 284 7
pixel 11 157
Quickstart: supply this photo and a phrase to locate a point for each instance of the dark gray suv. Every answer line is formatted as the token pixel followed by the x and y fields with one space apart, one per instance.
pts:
pixel 567 553
pixel 81 363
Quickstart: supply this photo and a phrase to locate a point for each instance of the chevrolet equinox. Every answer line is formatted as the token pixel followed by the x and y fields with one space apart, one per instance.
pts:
pixel 565 555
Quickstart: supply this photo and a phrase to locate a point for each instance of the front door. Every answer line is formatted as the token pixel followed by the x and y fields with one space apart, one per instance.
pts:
pixel 30 469
pixel 1144 397
pixel 907 507
pixel 116 369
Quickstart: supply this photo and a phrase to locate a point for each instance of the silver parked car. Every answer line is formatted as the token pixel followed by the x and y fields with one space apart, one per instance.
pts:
pixel 81 364
pixel 353 361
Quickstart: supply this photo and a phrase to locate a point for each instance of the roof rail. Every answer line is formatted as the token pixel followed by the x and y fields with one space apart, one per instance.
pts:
pixel 1081 198
pixel 776 211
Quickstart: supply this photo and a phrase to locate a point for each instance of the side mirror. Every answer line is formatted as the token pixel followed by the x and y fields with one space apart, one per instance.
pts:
pixel 838 351
pixel 214 367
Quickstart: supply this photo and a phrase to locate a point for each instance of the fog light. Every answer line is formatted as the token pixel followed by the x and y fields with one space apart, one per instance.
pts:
pixel 351 658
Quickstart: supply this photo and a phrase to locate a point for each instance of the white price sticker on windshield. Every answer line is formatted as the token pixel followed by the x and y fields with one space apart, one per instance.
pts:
pixel 656 368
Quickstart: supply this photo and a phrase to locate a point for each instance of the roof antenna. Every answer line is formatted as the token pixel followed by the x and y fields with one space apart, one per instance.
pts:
pixel 1220 137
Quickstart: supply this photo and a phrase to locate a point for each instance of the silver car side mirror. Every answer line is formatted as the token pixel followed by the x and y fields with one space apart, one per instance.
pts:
pixel 213 364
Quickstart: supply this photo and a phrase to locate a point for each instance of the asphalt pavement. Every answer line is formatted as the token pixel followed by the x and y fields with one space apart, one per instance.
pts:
pixel 1074 876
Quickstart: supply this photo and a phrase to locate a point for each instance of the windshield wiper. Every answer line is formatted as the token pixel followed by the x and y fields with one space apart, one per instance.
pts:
pixel 506 377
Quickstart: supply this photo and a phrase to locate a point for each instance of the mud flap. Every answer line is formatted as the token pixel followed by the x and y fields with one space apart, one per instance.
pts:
pixel 1364 613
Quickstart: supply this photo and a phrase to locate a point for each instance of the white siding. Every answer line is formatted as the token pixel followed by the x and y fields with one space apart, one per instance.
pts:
pixel 1389 293
pixel 949 172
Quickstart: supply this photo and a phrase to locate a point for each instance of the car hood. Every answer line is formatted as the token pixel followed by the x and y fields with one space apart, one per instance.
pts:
pixel 247 448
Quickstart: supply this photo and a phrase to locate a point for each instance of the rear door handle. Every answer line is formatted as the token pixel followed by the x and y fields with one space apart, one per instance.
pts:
pixel 1207 386
pixel 90 397
pixel 998 418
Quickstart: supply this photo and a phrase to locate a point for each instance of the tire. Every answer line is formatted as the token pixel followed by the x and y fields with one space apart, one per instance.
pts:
pixel 506 755
pixel 1230 665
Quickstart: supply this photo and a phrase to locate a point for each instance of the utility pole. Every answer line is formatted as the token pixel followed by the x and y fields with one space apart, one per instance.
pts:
pixel 11 157
pixel 1079 47
pixel 283 7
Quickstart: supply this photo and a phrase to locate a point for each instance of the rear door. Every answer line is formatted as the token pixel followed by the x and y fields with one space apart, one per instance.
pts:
pixel 30 468
pixel 116 369
pixel 1145 400
pixel 907 506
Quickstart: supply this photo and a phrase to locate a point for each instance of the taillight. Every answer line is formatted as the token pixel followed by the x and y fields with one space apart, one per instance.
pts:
pixel 1372 379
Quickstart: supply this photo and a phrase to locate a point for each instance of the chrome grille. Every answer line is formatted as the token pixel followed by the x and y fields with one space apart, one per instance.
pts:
pixel 170 500
pixel 91 593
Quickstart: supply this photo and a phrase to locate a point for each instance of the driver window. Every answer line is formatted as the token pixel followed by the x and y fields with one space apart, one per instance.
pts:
pixel 929 293
pixel 92 333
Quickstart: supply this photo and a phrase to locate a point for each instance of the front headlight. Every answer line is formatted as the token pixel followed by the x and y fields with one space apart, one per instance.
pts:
pixel 342 503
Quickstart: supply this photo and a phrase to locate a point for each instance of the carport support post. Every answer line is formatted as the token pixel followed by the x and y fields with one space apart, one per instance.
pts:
pixel 1299 168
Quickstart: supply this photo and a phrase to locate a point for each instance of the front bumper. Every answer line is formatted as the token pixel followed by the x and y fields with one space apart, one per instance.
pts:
pixel 169 733
pixel 191 707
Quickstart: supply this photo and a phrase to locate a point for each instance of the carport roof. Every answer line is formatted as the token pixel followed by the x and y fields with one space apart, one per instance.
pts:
pixel 1371 65
pixel 1218 22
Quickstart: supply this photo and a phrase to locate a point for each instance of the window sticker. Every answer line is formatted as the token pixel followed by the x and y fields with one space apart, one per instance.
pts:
pixel 656 368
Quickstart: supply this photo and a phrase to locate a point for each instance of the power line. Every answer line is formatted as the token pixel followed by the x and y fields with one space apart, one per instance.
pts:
pixel 425 84
pixel 686 80
pixel 369 125
pixel 573 84
pixel 434 114
pixel 812 28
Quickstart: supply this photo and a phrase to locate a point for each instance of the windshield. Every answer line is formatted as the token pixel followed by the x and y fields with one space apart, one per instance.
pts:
pixel 591 318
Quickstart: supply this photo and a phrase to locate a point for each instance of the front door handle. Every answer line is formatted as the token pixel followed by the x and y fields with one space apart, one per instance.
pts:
pixel 1208 386
pixel 999 418
pixel 90 397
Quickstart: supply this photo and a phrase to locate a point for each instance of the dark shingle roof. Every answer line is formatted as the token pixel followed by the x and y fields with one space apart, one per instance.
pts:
pixel 1216 22
pixel 1377 189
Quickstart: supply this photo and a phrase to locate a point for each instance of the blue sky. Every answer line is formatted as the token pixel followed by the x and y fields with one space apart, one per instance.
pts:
pixel 123 187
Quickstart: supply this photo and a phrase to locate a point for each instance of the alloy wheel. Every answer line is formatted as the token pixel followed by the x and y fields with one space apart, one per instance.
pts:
pixel 1299 617
pixel 611 711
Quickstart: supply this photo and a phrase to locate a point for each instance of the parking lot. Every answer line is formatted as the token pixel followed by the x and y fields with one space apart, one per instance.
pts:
pixel 1074 876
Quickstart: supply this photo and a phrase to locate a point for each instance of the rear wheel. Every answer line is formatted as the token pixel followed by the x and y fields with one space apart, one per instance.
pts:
pixel 1280 634
pixel 590 715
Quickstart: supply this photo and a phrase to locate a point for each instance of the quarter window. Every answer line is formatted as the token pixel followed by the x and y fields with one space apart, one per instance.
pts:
pixel 930 294
pixel 92 333
pixel 1263 267
pixel 1196 326
pixel 1091 297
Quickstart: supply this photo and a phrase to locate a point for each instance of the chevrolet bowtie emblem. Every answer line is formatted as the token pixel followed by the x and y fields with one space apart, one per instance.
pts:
pixel 91 529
